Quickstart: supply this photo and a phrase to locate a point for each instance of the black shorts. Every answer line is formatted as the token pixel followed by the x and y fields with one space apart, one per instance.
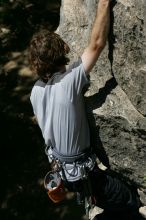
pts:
pixel 113 194
pixel 110 193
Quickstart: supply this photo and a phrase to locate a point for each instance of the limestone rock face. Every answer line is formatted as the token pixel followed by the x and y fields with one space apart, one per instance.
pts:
pixel 118 81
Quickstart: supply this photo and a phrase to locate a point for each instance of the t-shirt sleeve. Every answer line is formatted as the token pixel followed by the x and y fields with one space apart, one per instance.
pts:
pixel 74 80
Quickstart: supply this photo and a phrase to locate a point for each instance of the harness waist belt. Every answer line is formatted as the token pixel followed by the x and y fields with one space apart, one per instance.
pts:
pixel 70 159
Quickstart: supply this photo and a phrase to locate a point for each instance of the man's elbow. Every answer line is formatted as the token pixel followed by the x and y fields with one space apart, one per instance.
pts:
pixel 98 46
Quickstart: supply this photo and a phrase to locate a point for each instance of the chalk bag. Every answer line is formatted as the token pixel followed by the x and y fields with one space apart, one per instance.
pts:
pixel 54 186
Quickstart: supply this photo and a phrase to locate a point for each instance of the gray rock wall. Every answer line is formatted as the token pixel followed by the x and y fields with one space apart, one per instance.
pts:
pixel 117 95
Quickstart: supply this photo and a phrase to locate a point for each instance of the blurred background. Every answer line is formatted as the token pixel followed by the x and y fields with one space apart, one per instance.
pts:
pixel 23 163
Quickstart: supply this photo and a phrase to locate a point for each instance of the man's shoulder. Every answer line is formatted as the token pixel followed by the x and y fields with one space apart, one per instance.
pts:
pixel 39 83
pixel 74 65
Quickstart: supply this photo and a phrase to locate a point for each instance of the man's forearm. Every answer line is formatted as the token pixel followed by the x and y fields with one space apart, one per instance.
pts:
pixel 98 36
pixel 101 25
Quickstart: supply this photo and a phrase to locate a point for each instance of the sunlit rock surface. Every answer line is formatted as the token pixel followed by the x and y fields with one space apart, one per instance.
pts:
pixel 117 94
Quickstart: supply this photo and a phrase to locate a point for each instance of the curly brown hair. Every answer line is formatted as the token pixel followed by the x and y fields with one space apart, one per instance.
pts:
pixel 47 53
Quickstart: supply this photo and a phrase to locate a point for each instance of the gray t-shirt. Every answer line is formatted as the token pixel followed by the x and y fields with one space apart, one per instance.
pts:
pixel 60 111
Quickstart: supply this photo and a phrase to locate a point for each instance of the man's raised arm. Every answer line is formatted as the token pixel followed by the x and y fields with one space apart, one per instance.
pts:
pixel 98 36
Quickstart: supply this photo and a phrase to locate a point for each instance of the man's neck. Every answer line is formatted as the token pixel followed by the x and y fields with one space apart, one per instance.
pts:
pixel 62 69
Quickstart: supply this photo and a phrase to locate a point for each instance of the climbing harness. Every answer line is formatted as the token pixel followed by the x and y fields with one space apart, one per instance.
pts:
pixel 70 172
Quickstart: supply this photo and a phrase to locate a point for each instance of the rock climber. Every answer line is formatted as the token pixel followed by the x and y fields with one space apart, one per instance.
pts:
pixel 58 104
